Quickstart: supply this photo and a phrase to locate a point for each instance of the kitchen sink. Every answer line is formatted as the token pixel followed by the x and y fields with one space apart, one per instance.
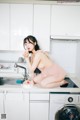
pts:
pixel 10 81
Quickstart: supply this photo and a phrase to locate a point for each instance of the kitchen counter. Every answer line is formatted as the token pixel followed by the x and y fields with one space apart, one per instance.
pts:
pixel 20 88
pixel 23 101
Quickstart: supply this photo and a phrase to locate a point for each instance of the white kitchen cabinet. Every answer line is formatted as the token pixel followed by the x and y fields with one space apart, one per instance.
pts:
pixel 41 23
pixel 21 24
pixel 65 19
pixel 39 110
pixel 39 106
pixel 2 111
pixel 4 26
pixel 17 106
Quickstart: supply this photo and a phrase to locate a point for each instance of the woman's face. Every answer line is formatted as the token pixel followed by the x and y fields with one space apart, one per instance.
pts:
pixel 29 46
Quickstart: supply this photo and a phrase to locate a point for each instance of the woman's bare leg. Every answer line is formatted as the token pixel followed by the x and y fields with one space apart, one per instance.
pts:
pixel 51 79
pixel 50 83
pixel 54 84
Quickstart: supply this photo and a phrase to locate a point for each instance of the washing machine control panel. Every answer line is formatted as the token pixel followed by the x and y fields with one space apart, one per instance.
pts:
pixel 70 99
pixel 65 98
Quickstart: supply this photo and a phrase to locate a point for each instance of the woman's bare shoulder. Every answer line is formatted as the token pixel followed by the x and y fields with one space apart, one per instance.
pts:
pixel 42 53
pixel 38 52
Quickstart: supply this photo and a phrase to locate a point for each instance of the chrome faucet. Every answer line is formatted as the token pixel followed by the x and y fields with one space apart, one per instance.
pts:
pixel 25 73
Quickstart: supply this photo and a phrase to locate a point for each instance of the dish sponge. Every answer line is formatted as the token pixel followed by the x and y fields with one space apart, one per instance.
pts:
pixel 19 81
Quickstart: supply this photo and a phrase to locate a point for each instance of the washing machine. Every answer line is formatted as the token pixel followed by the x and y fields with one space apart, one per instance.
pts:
pixel 64 106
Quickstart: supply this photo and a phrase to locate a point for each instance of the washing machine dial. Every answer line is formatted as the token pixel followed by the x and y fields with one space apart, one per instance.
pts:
pixel 70 99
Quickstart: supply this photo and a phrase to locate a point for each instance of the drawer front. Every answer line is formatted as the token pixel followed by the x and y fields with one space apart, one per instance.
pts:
pixel 39 96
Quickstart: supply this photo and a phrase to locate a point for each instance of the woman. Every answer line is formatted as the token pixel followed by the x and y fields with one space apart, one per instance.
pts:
pixel 50 74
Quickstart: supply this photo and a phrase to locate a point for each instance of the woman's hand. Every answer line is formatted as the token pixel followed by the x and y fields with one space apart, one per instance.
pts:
pixel 26 54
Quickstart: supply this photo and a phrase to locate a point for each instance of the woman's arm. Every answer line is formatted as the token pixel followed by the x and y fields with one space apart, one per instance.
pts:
pixel 36 60
pixel 35 63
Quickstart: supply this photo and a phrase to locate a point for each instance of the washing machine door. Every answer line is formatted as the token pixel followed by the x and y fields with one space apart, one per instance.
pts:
pixel 68 112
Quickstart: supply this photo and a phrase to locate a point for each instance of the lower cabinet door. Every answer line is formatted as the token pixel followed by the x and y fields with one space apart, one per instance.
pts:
pixel 39 110
pixel 17 106
pixel 1 105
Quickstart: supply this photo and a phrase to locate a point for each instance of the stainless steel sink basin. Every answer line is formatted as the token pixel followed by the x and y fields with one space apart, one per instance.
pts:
pixel 11 81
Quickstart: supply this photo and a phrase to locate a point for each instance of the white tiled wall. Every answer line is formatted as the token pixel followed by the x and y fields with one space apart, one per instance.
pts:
pixel 10 56
pixel 78 61
pixel 64 53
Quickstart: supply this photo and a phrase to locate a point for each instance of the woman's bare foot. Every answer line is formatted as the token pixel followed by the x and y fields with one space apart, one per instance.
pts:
pixel 63 82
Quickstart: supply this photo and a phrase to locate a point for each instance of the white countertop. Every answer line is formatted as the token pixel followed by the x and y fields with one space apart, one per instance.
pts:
pixel 20 88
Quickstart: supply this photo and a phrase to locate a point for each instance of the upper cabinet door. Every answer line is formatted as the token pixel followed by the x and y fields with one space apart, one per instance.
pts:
pixel 65 20
pixel 4 26
pixel 21 24
pixel 42 25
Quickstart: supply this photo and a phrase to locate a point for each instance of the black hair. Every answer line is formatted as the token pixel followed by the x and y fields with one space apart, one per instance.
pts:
pixel 33 39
